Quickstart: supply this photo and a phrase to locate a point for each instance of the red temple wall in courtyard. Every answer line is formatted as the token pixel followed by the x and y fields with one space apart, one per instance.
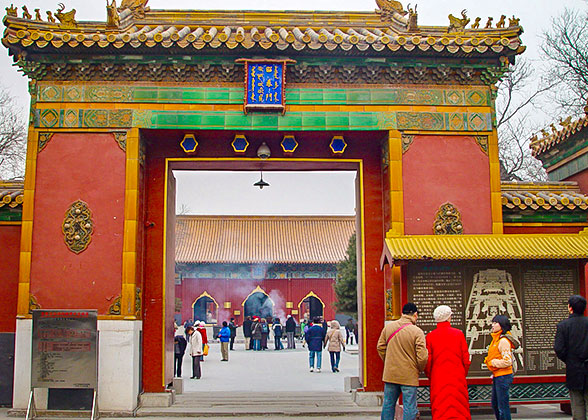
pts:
pixel 9 244
pixel 581 178
pixel 237 290
pixel 163 144
pixel 441 169
pixel 70 169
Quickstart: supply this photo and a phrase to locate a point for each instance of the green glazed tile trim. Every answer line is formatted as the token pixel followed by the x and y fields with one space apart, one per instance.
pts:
pixel 294 96
pixel 570 168
pixel 124 118
pixel 544 217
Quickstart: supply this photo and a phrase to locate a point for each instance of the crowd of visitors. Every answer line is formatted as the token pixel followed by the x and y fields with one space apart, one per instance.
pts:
pixel 317 334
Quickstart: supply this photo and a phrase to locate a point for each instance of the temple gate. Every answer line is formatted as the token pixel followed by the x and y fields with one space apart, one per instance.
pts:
pixel 116 106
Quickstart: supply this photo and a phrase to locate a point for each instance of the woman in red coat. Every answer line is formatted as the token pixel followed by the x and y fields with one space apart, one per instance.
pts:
pixel 447 368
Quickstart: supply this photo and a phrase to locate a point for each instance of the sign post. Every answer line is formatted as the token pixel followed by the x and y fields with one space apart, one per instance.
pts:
pixel 64 352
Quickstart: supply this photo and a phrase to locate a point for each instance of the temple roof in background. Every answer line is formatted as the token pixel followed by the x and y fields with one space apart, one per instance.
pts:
pixel 263 239
pixel 554 196
pixel 136 29
pixel 567 128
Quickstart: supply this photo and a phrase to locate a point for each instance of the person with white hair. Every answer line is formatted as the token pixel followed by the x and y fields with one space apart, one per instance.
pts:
pixel 447 367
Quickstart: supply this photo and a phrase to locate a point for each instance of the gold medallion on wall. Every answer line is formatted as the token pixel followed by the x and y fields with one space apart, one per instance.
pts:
pixel 77 227
pixel 448 221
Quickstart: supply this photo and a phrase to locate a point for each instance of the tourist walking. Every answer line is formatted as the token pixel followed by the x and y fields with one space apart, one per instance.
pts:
pixel 247 333
pixel 277 329
pixel 349 331
pixel 180 345
pixel 571 346
pixel 256 334
pixel 195 351
pixel 264 333
pixel 334 343
pixel 291 332
pixel 499 361
pixel 233 327
pixel 201 328
pixel 224 336
pixel 315 337
pixel 303 328
pixel 403 349
pixel 447 367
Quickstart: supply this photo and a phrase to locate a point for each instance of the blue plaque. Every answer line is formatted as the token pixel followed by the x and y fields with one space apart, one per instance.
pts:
pixel 265 82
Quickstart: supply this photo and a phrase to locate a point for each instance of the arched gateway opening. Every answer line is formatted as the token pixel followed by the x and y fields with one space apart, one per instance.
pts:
pixel 165 156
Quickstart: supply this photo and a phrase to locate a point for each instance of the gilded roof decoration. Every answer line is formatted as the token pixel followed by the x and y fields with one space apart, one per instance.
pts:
pixel 138 26
pixel 555 135
pixel 543 196
pixel 262 239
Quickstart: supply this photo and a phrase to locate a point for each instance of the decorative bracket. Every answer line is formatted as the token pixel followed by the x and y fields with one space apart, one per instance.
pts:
pixel 407 140
pixel 483 143
pixel 115 308
pixel 44 139
pixel 77 227
pixel 121 139
pixel 448 221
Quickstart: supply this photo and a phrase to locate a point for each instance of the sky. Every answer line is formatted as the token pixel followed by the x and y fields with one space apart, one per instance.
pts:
pixel 300 193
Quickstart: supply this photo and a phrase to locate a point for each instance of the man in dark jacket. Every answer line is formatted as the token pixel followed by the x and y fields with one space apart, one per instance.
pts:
pixel 180 344
pixel 315 337
pixel 290 332
pixel 233 328
pixel 247 332
pixel 571 346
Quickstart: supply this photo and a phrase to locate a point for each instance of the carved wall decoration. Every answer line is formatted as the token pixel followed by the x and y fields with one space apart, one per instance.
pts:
pixel 33 304
pixel 483 143
pixel 138 301
pixel 44 138
pixel 448 221
pixel 77 227
pixel 115 308
pixel 121 139
pixel 406 142
pixel 229 73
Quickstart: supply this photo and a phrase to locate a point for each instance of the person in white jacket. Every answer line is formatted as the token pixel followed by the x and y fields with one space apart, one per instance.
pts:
pixel 195 351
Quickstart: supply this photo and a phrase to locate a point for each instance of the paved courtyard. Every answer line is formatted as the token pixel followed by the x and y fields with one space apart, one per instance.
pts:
pixel 267 371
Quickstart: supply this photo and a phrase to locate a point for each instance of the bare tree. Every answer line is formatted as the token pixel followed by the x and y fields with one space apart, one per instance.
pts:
pixel 565 48
pixel 183 210
pixel 12 137
pixel 517 96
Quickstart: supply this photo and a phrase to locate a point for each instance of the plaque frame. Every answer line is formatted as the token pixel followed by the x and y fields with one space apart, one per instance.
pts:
pixel 247 107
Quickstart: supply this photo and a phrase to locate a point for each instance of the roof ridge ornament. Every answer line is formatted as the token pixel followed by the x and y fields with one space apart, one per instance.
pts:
pixel 68 19
pixel 458 24
pixel 387 9
pixel 113 19
pixel 137 7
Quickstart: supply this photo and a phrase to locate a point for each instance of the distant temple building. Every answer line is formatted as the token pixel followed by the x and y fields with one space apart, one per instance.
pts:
pixel 269 266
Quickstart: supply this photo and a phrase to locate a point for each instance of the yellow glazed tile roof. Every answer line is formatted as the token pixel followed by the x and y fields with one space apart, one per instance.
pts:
pixel 549 140
pixel 262 239
pixel 552 196
pixel 11 193
pixel 191 30
pixel 486 247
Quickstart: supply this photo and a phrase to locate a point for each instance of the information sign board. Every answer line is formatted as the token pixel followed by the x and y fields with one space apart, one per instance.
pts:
pixel 64 349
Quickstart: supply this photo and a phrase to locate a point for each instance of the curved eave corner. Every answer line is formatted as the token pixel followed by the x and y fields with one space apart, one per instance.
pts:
pixel 484 247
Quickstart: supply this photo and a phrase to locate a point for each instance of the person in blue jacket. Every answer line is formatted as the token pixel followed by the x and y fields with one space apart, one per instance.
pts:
pixel 315 337
pixel 224 336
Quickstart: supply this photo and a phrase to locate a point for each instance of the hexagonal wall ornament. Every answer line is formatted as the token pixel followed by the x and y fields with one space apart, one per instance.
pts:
pixel 189 143
pixel 338 145
pixel 240 143
pixel 289 144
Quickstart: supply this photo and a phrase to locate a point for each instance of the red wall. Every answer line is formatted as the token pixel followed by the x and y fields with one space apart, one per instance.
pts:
pixel 163 144
pixel 440 169
pixel 10 246
pixel 88 167
pixel 237 290
pixel 582 179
